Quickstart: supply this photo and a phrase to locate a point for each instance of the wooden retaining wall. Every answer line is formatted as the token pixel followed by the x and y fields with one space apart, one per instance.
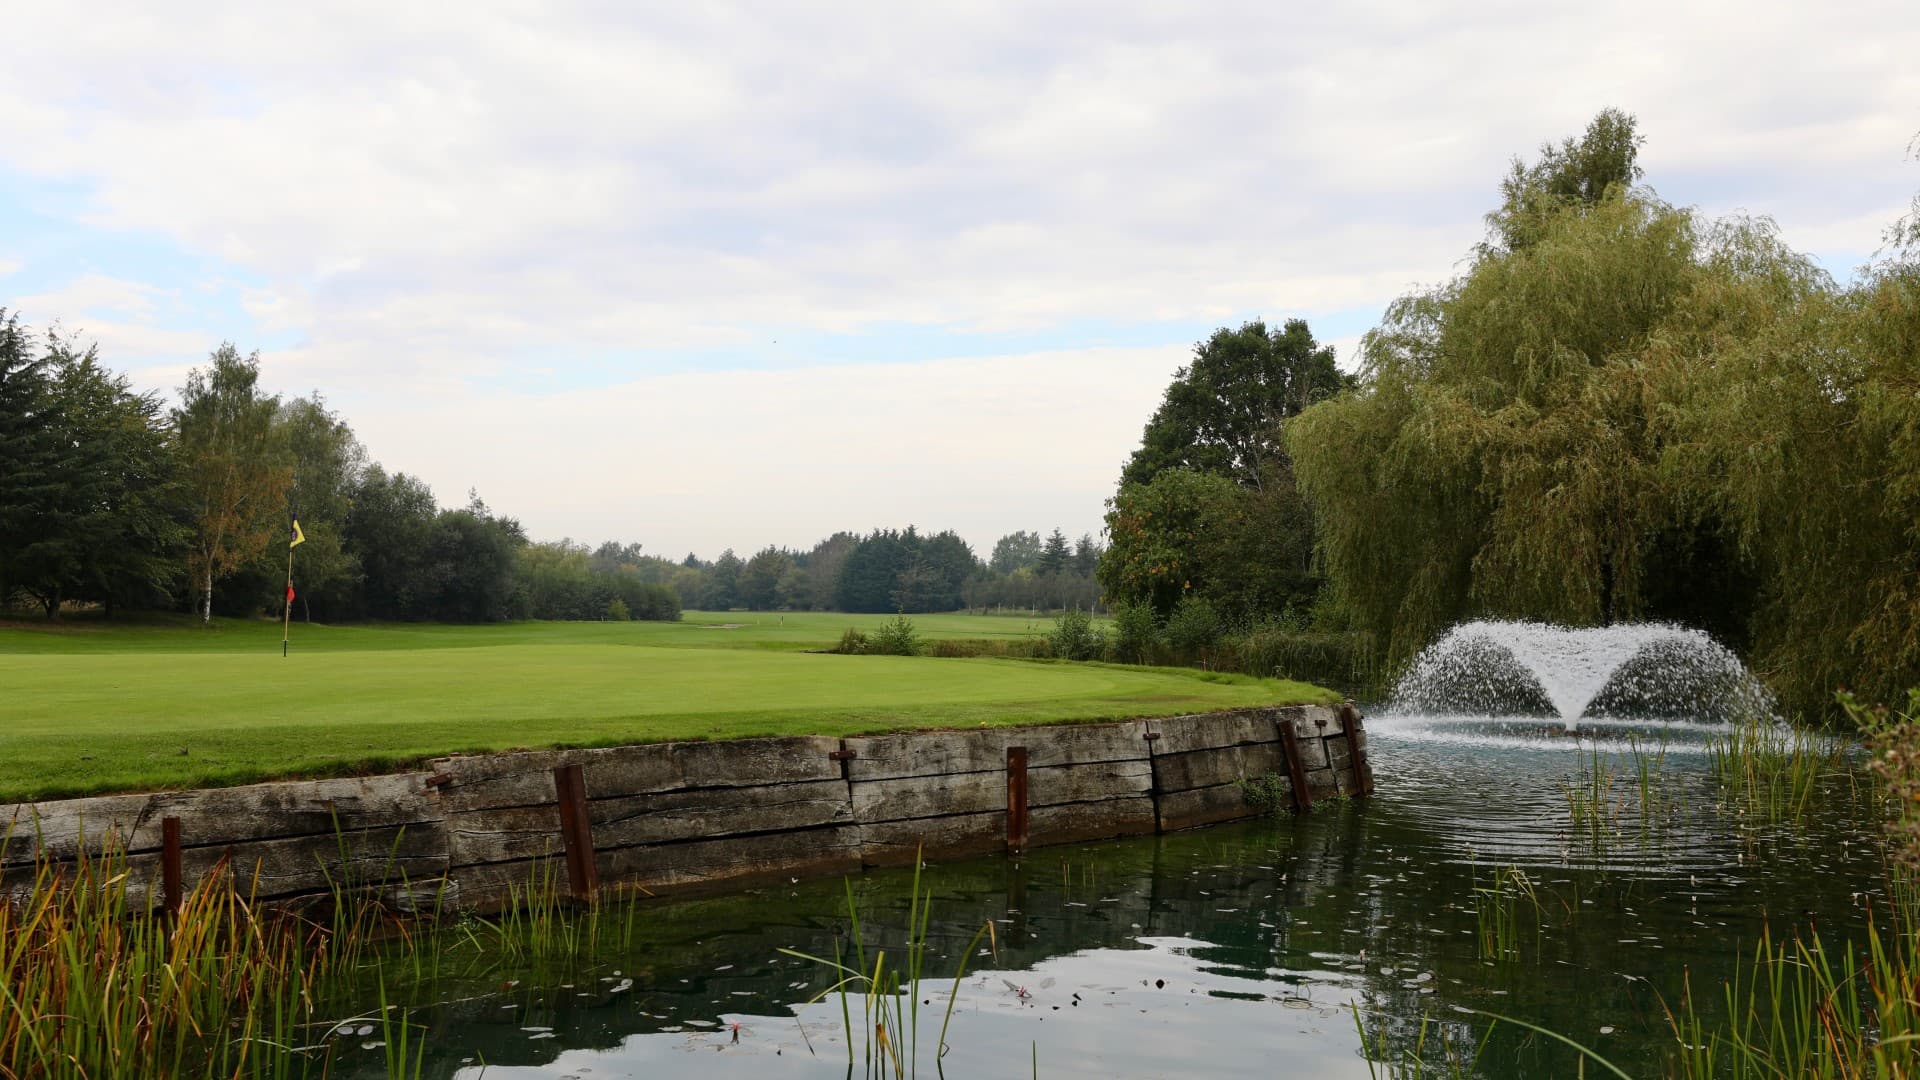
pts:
pixel 668 817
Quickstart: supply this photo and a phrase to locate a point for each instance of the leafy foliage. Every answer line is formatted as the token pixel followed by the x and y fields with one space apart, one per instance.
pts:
pixel 896 637
pixel 236 466
pixel 1075 637
pixel 1620 411
pixel 1222 413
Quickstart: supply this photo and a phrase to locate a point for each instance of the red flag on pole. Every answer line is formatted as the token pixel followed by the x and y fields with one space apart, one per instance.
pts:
pixel 289 594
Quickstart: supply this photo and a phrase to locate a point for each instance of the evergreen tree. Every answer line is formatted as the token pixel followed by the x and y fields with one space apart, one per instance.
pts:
pixel 27 449
pixel 1054 557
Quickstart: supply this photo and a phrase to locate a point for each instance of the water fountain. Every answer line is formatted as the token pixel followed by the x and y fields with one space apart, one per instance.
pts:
pixel 1646 671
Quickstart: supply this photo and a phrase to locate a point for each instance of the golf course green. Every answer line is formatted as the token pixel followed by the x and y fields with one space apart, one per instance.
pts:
pixel 93 707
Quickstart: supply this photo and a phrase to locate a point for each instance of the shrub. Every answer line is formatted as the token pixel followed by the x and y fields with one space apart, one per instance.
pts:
pixel 1074 637
pixel 617 610
pixel 1194 625
pixel 1136 630
pixel 896 637
pixel 852 642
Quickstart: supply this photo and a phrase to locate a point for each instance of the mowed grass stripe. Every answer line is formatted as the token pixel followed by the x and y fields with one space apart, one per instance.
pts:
pixel 773 631
pixel 80 723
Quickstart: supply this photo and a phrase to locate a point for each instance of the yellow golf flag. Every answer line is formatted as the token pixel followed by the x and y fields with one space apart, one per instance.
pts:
pixel 298 536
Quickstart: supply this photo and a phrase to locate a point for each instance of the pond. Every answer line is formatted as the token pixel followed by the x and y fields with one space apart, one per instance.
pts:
pixel 1504 868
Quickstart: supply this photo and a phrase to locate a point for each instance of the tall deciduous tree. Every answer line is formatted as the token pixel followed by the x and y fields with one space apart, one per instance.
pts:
pixel 237 470
pixel 1014 551
pixel 1222 413
pixel 327 463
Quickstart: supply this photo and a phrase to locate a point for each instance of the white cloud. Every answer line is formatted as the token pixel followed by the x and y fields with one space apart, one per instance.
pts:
pixel 424 194
pixel 709 460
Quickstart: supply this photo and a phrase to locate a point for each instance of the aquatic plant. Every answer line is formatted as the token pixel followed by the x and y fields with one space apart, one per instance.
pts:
pixel 1269 793
pixel 95 985
pixel 1772 771
pixel 1500 910
pixel 889 996
pixel 1590 800
pixel 1457 1055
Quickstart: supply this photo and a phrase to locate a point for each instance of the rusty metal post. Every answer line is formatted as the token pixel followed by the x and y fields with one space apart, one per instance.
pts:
pixel 1296 772
pixel 170 888
pixel 1357 748
pixel 576 829
pixel 1016 799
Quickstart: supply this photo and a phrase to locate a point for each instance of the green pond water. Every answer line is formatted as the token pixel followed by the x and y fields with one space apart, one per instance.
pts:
pixel 1239 950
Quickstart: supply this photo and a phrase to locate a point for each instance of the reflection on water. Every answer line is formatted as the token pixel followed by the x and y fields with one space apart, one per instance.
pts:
pixel 1239 950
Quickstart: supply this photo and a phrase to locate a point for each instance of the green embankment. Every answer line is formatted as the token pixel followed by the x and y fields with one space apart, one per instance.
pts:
pixel 94 707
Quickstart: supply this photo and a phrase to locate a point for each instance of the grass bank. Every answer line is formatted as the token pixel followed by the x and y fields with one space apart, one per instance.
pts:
pixel 94 708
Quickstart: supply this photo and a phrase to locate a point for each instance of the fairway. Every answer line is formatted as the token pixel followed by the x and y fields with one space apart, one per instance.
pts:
pixel 91 709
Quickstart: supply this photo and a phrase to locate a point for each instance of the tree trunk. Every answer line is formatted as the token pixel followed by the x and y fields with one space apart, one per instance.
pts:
pixel 206 603
pixel 51 602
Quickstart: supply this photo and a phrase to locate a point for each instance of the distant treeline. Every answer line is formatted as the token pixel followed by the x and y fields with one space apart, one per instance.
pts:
pixel 109 500
pixel 889 570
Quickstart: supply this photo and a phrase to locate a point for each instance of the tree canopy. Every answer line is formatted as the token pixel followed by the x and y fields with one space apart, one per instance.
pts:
pixel 1621 411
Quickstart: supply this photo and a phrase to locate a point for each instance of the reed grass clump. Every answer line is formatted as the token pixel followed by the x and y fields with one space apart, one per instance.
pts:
pixel 1504 911
pixel 1772 771
pixel 96 985
pixel 1591 802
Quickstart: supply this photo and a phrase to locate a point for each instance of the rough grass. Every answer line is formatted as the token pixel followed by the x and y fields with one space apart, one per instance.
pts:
pixel 95 708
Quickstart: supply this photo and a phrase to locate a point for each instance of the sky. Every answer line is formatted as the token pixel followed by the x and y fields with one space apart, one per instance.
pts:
pixel 729 275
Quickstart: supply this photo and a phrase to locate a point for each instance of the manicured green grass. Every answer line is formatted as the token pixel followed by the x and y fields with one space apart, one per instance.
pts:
pixel 94 708
pixel 796 631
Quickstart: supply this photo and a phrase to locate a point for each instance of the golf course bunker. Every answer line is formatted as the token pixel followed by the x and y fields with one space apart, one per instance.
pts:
pixel 467 831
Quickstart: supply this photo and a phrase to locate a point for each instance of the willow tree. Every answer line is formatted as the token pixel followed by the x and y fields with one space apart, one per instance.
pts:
pixel 236 468
pixel 1804 433
pixel 1507 454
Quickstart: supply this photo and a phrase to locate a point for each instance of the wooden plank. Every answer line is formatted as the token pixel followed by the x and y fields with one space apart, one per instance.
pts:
pixel 1290 744
pixel 1356 735
pixel 298 866
pixel 893 756
pixel 1016 799
pixel 215 816
pixel 739 860
pixel 1089 782
pixel 1072 823
pixel 1223 765
pixel 1323 783
pixel 1312 716
pixel 170 884
pixel 525 832
pixel 1206 731
pixel 1204 806
pixel 929 796
pixel 576 832
pixel 497 780
pixel 893 843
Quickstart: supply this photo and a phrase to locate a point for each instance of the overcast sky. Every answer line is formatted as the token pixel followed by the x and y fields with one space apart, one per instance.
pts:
pixel 710 275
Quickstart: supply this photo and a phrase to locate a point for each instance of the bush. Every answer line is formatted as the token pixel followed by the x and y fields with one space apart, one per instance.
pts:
pixel 1074 637
pixel 617 611
pixel 896 637
pixel 1194 625
pixel 852 642
pixel 1136 631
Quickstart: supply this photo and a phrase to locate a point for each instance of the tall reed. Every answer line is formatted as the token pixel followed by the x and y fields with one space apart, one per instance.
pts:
pixel 889 993
pixel 93 984
pixel 1772 771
